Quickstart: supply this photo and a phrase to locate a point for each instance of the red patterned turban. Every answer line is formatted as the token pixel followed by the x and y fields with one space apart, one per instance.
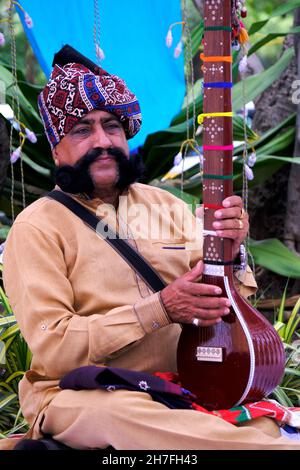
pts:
pixel 73 90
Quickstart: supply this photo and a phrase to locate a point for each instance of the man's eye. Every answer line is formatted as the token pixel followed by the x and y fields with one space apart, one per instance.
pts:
pixel 81 131
pixel 113 125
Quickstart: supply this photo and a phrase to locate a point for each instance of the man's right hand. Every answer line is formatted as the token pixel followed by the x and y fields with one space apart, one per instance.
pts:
pixel 186 299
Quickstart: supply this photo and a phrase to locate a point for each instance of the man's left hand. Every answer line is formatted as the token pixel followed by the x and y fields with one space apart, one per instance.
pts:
pixel 232 221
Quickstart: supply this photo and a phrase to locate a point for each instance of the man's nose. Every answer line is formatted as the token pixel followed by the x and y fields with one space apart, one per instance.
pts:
pixel 101 139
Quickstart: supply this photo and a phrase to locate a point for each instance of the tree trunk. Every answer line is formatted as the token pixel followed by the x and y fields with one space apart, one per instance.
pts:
pixel 268 202
pixel 267 205
pixel 292 219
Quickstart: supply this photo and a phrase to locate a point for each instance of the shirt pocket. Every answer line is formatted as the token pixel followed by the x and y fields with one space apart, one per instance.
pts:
pixel 170 258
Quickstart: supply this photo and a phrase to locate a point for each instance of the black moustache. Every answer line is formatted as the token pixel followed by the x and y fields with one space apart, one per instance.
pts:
pixel 77 179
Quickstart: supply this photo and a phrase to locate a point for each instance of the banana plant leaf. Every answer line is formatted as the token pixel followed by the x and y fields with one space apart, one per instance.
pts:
pixel 196 37
pixel 281 10
pixel 273 255
pixel 269 37
pixel 256 84
pixel 274 132
pixel 26 107
pixel 265 167
pixel 161 147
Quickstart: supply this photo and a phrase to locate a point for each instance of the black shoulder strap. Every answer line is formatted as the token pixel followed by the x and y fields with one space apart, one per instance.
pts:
pixel 132 257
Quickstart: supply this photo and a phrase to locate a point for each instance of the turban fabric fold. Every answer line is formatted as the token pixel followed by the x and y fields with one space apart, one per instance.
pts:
pixel 73 90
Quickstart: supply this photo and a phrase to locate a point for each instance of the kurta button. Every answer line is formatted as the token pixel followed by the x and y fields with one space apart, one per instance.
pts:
pixel 155 325
pixel 43 327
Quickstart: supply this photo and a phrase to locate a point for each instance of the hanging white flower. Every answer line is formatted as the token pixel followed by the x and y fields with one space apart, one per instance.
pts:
pixel 30 136
pixel 252 159
pixel 100 52
pixel 243 65
pixel 249 173
pixel 15 155
pixel 178 158
pixel 169 38
pixel 178 50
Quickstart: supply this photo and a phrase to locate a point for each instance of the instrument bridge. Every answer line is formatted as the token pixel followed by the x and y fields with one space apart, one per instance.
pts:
pixel 209 354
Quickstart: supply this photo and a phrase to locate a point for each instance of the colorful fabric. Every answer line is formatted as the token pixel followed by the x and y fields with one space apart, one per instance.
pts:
pixel 73 91
pixel 165 388
pixel 113 378
pixel 249 411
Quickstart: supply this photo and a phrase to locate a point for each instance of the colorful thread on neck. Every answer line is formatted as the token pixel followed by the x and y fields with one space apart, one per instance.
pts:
pixel 218 147
pixel 216 58
pixel 217 85
pixel 218 28
pixel 203 115
pixel 212 206
pixel 217 177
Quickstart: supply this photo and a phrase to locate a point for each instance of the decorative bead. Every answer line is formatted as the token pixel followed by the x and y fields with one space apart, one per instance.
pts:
pixel 244 12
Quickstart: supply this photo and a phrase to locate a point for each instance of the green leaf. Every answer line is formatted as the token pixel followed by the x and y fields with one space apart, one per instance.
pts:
pixel 292 322
pixel 256 84
pixel 7 399
pixel 280 328
pixel 35 166
pixel 269 37
pixel 292 371
pixel 5 302
pixel 196 37
pixel 273 255
pixel 18 373
pixel 265 167
pixel 276 132
pixel 281 10
pixel 280 317
pixel 11 331
pixel 7 320
pixel 8 80
pixel 282 397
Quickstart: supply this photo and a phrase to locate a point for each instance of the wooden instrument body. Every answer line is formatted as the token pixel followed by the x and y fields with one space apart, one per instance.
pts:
pixel 242 357
pixel 252 362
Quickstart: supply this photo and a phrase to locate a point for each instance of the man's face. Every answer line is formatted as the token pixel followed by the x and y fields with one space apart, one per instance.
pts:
pixel 97 129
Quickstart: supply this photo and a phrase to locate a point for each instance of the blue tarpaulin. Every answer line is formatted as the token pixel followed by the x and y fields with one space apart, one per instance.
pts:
pixel 132 35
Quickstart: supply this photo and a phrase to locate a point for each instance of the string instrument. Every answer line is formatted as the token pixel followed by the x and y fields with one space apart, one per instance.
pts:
pixel 240 359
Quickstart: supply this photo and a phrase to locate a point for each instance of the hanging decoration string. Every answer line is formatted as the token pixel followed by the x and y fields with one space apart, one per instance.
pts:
pixel 240 37
pixel 190 141
pixel 96 34
pixel 16 110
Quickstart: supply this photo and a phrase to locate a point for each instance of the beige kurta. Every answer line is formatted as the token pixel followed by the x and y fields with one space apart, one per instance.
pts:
pixel 79 303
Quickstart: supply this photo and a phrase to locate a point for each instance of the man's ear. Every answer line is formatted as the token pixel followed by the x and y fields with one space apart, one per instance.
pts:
pixel 55 156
